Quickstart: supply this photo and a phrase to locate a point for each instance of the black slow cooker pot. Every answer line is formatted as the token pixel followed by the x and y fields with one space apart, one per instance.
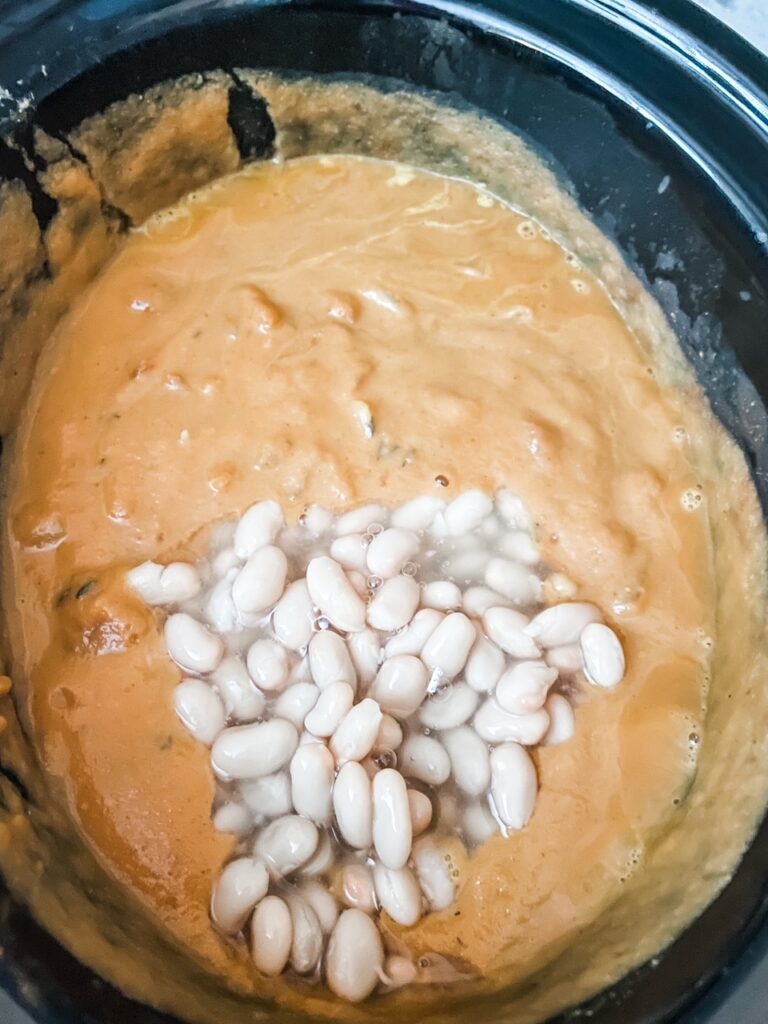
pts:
pixel 656 118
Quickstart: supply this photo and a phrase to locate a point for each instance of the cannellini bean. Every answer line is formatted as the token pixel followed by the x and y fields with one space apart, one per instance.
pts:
pixel 359 519
pixel 562 623
pixel 401 685
pixel 423 758
pixel 398 894
pixel 193 647
pixel 566 658
pixel 561 720
pixel 352 805
pixel 241 885
pixel 449 707
pixel 421 811
pixel 514 581
pixel 359 582
pixel 271 935
pixel 418 513
pixel 603 655
pixel 484 665
pixel 478 823
pixel 506 628
pixel 392 831
pixel 512 510
pixel 258 527
pixel 441 594
pixel 355 956
pixel 307 940
pixel 357 732
pixel 295 703
pixel 334 595
pixel 448 812
pixel 322 902
pixel 233 819
pixel 164 584
pixel 390 550
pixel 268 664
pixel 524 687
pixel 330 661
pixel 200 709
pixel 365 652
pixel 321 860
pixel 433 874
pixel 242 701
pixel 470 760
pixel 519 546
pixel 286 844
pixel 495 725
pixel 447 649
pixel 390 735
pixel 399 971
pixel 268 797
pixel 468 565
pixel 562 585
pixel 318 520
pixel 219 611
pixel 225 560
pixel 312 773
pixel 356 889
pixel 293 616
pixel 331 707
pixel 394 604
pixel 513 784
pixel 350 552
pixel 411 640
pixel 467 511
pixel 248 751
pixel 261 581
pixel 477 601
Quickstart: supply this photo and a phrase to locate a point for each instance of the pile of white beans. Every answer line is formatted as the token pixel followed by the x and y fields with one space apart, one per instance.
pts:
pixel 370 684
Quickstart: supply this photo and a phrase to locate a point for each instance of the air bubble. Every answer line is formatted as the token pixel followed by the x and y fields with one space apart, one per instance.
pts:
pixel 527 230
pixel 410 569
pixel 692 499
pixel 375 529
pixel 374 582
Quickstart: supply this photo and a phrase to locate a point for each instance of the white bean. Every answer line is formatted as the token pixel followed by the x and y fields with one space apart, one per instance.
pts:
pixel 286 844
pixel 360 584
pixel 566 658
pixel 506 628
pixel 271 935
pixel 295 703
pixel 441 594
pixel 355 957
pixel 365 651
pixel 421 811
pixel 200 709
pixel 268 797
pixel 467 511
pixel 470 763
pixel 392 830
pixel 318 520
pixel 478 823
pixel 390 550
pixel 401 685
pixel 433 874
pixel 513 581
pixel 312 772
pixel 233 819
pixel 248 751
pixel 349 551
pixel 524 687
pixel 225 560
pixel 449 707
pixel 561 720
pixel 241 885
pixel 356 888
pixel 390 735
pixel 293 616
pixel 242 701
pixel 307 941
pixel 562 623
pixel 562 585
pixel 394 604
pixel 164 584
pixel 268 664
pixel 495 725
pixel 359 519
pixel 411 640
pixel 332 706
pixel 446 651
pixel 477 601
pixel 513 784
pixel 603 655
pixel 468 565
pixel 329 660
pixel 519 546
pixel 352 805
pixel 418 513
pixel 334 595
pixel 323 902
pixel 423 758
pixel 322 859
pixel 191 645
pixel 261 581
pixel 219 610
pixel 357 732
pixel 512 510
pixel 398 894
pixel 484 665
pixel 399 971
pixel 258 526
